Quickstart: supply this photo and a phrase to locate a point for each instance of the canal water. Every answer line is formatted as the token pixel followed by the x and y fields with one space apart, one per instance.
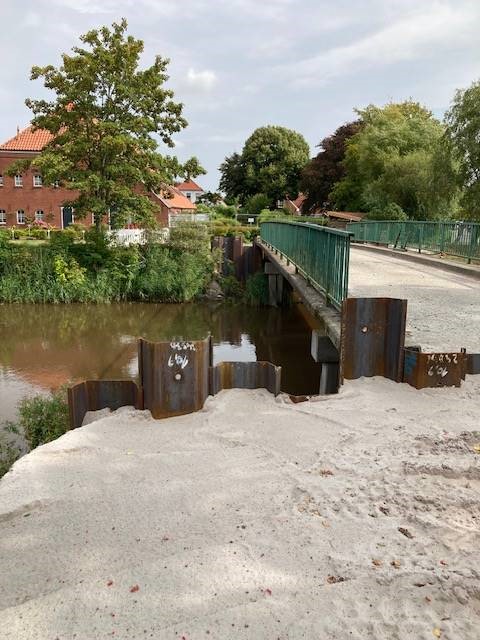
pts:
pixel 45 346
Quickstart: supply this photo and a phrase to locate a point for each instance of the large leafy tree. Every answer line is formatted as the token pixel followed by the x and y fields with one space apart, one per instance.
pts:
pixel 463 137
pixel 322 172
pixel 105 116
pixel 232 180
pixel 398 157
pixel 270 164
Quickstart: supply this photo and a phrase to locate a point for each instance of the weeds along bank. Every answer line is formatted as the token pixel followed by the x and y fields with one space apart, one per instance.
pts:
pixel 65 270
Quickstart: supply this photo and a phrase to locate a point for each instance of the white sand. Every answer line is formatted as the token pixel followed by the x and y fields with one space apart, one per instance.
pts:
pixel 236 522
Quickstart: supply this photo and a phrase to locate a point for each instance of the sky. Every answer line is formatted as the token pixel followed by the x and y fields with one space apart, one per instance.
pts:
pixel 241 64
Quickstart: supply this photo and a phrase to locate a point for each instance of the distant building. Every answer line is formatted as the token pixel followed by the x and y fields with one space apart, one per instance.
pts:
pixel 190 189
pixel 25 199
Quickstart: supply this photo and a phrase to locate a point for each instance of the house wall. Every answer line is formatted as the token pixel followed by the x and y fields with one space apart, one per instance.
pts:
pixel 28 197
pixel 46 198
pixel 193 194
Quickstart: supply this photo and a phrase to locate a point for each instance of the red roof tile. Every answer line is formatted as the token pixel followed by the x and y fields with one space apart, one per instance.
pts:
pixel 173 199
pixel 188 185
pixel 28 140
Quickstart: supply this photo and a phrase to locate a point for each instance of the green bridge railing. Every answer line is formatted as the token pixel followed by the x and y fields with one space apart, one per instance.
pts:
pixel 320 254
pixel 454 238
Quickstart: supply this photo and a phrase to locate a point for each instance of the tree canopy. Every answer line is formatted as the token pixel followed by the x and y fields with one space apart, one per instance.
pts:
pixel 270 164
pixel 321 174
pixel 397 157
pixel 463 138
pixel 104 116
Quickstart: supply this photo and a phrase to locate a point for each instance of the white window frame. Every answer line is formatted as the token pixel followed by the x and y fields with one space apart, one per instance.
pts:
pixel 37 180
pixel 39 218
pixel 1 179
pixel 18 216
pixel 3 216
pixel 18 180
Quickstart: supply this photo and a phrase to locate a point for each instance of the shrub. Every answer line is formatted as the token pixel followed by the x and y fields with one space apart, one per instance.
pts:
pixel 43 418
pixel 9 453
pixel 256 289
pixel 390 211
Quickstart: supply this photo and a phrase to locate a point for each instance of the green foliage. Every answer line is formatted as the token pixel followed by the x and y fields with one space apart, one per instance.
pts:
pixel 320 175
pixel 256 289
pixel 462 140
pixel 104 117
pixel 97 271
pixel 270 164
pixel 232 288
pixel 43 418
pixel 391 211
pixel 256 204
pixel 397 157
pixel 9 453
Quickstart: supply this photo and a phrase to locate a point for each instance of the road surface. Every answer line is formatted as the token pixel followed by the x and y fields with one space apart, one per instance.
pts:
pixel 443 306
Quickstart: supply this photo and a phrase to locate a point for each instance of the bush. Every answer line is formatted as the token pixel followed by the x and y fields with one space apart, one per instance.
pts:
pixel 43 418
pixel 9 453
pixel 390 211
pixel 257 203
pixel 256 289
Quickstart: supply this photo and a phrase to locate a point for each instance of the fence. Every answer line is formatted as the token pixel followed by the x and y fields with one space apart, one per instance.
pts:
pixel 126 237
pixel 454 238
pixel 176 218
pixel 320 254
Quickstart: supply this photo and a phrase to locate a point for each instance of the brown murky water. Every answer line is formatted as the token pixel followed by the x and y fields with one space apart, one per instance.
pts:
pixel 43 347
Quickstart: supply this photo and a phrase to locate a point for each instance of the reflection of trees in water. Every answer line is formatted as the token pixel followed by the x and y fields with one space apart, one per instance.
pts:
pixel 67 342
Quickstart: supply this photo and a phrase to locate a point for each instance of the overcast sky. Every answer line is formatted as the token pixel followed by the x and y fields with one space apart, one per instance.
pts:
pixel 241 64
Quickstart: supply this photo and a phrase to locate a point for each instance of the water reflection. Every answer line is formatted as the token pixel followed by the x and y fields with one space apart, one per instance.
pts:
pixel 46 346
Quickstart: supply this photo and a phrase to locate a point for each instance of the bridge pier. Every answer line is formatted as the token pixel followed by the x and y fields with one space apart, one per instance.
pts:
pixel 278 287
pixel 324 351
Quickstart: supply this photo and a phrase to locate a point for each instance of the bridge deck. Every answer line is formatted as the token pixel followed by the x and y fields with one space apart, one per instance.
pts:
pixel 443 307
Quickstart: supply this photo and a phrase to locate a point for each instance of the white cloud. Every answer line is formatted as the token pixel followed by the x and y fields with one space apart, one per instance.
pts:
pixel 417 34
pixel 201 80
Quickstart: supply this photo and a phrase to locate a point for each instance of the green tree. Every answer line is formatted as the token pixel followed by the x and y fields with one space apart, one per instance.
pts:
pixel 270 163
pixel 192 168
pixel 321 174
pixel 397 157
pixel 463 138
pixel 104 116
pixel 232 180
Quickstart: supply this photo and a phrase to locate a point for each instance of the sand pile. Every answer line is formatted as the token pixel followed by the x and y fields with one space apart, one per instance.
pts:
pixel 356 516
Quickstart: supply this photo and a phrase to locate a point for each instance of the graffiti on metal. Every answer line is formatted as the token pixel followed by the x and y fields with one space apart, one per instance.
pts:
pixel 423 370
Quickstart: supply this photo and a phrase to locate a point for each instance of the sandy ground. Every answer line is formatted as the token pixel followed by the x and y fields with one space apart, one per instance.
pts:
pixel 353 516
pixel 443 307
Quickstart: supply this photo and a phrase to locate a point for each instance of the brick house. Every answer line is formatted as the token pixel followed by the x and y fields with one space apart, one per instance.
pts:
pixel 190 190
pixel 25 199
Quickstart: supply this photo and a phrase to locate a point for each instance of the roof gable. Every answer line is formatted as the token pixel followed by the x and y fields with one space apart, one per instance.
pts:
pixel 173 199
pixel 189 185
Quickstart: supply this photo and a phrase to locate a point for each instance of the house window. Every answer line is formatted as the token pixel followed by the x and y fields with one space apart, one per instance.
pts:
pixel 18 181
pixel 3 216
pixel 1 180
pixel 189 196
pixel 37 180
pixel 20 216
pixel 39 215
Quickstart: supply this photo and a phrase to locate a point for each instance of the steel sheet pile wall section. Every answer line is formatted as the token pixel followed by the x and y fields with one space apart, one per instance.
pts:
pixel 423 370
pixel 245 375
pixel 174 376
pixel 373 338
pixel 320 254
pixel 454 238
pixel 93 395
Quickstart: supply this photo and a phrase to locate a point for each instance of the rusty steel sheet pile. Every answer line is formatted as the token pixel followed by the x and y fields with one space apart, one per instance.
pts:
pixel 372 338
pixel 245 375
pixel 423 370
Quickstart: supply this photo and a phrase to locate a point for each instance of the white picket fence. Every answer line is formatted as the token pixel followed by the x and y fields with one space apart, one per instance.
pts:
pixel 126 237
